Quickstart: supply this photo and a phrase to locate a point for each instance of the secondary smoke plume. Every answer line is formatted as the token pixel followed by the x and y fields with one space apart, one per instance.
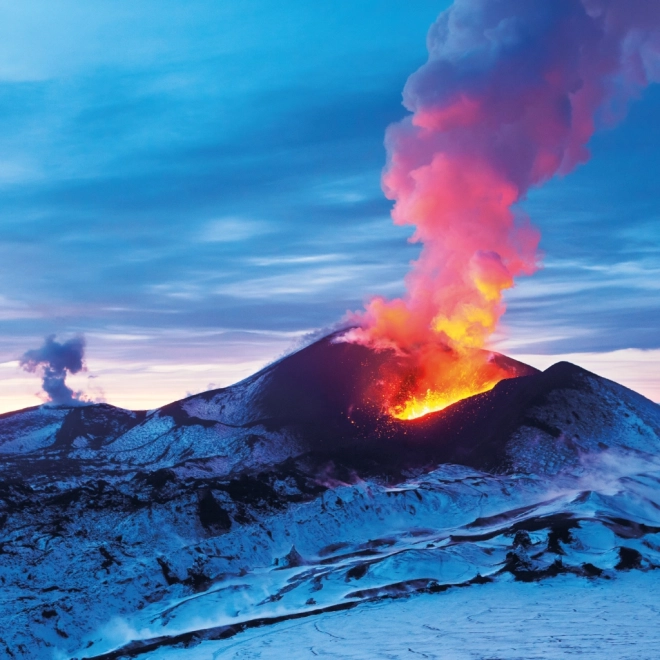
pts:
pixel 509 97
pixel 55 360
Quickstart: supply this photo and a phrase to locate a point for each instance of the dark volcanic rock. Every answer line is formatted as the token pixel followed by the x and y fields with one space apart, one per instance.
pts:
pixel 291 494
pixel 314 407
pixel 95 425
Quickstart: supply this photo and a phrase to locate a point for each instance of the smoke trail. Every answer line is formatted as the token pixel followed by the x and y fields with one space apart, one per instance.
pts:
pixel 55 360
pixel 509 97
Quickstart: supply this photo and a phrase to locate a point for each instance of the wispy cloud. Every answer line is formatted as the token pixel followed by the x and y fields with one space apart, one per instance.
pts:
pixel 343 280
pixel 231 229
pixel 11 310
pixel 297 261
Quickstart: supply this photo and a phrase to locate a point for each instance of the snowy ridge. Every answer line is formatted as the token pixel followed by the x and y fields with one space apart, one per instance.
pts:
pixel 34 429
pixel 287 498
pixel 162 572
pixel 576 531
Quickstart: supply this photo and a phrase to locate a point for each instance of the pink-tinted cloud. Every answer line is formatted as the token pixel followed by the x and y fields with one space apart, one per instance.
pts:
pixel 510 96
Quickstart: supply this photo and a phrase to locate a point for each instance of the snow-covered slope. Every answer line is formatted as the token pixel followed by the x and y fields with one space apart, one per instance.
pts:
pixel 288 497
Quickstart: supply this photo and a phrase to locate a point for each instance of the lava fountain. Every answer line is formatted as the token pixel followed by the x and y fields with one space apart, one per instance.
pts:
pixel 510 95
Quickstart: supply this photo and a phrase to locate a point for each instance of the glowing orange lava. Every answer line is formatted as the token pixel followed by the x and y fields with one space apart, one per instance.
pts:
pixel 431 401
pixel 435 376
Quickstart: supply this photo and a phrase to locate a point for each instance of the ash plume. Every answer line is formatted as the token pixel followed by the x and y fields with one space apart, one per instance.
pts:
pixel 55 360
pixel 510 95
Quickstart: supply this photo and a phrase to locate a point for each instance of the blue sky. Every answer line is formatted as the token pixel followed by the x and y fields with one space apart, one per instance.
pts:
pixel 195 187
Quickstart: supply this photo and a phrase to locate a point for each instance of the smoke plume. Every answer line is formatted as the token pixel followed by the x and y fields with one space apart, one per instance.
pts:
pixel 510 95
pixel 54 360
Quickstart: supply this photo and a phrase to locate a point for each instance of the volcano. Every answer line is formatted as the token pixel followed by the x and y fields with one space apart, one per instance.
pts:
pixel 315 408
pixel 294 495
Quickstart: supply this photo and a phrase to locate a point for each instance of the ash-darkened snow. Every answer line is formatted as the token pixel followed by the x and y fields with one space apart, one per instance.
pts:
pixel 290 498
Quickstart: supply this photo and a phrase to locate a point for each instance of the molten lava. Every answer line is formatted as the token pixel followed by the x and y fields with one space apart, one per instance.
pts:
pixel 435 376
pixel 433 401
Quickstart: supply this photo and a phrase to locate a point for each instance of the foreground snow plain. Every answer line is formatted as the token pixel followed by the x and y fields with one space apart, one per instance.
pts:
pixel 565 617
pixel 452 564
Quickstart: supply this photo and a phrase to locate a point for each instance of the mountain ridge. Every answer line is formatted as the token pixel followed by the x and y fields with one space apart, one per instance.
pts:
pixel 313 407
pixel 288 495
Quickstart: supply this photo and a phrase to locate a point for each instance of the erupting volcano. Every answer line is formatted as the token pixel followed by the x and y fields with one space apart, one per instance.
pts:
pixel 509 97
pixel 248 521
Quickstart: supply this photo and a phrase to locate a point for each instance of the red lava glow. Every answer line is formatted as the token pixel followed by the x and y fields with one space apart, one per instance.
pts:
pixel 435 376
pixel 464 375
pixel 507 99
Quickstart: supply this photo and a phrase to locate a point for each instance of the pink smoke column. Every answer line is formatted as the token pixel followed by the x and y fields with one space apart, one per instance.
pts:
pixel 509 97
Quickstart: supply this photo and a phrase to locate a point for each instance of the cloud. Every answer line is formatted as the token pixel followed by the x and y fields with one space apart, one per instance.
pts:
pixel 346 281
pixel 13 309
pixel 232 229
pixel 55 360
pixel 295 261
